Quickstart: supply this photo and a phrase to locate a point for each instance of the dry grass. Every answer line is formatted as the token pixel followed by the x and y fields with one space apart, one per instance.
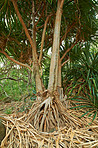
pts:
pixel 67 130
pixel 20 134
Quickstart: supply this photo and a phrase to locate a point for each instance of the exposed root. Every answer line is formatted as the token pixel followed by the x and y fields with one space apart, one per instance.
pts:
pixel 20 134
pixel 61 128
pixel 50 114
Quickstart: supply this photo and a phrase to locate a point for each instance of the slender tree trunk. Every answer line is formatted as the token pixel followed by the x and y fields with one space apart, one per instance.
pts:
pixel 38 82
pixel 54 66
pixel 59 73
pixel 36 73
pixel 59 88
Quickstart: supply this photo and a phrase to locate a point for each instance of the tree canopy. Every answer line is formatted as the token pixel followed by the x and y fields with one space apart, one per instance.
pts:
pixel 78 25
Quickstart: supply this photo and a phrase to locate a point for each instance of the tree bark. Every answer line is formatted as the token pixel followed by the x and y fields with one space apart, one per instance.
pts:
pixel 38 81
pixel 59 72
pixel 54 66
pixel 36 73
pixel 17 62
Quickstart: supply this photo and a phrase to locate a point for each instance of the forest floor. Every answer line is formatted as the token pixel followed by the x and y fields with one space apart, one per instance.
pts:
pixel 10 107
pixel 21 134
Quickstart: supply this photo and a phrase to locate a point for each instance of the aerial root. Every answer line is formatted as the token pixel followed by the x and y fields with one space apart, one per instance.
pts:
pixel 48 124
pixel 50 114
pixel 22 134
pixel 45 118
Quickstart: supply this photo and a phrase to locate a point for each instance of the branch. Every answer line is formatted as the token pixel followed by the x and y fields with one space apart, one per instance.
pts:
pixel 64 36
pixel 5 71
pixel 13 79
pixel 68 50
pixel 23 24
pixel 47 57
pixel 12 39
pixel 61 5
pixel 17 62
pixel 43 38
pixel 40 5
pixel 64 62
pixel 39 27
pixel 4 90
pixel 40 16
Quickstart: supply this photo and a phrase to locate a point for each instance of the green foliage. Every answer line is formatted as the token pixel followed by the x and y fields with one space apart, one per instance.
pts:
pixel 82 81
pixel 45 69
pixel 8 111
pixel 14 82
pixel 50 1
pixel 80 14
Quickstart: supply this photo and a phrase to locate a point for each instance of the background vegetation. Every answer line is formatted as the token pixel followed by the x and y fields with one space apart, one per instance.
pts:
pixel 79 79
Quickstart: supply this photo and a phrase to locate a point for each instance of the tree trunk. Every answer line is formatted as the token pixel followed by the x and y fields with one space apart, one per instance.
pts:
pixel 59 73
pixel 38 82
pixel 49 114
pixel 59 88
pixel 54 66
pixel 36 73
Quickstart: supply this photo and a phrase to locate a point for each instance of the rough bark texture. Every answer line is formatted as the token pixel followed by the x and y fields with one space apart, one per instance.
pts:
pixel 38 81
pixel 53 76
pixel 59 72
pixel 17 62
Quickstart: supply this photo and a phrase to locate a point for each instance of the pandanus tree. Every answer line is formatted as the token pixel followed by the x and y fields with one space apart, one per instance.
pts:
pixel 28 30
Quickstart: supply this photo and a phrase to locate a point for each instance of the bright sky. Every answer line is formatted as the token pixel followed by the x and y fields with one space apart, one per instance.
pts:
pixel 1 65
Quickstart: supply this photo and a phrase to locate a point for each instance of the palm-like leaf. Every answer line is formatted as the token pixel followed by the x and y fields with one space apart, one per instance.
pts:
pixel 82 77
